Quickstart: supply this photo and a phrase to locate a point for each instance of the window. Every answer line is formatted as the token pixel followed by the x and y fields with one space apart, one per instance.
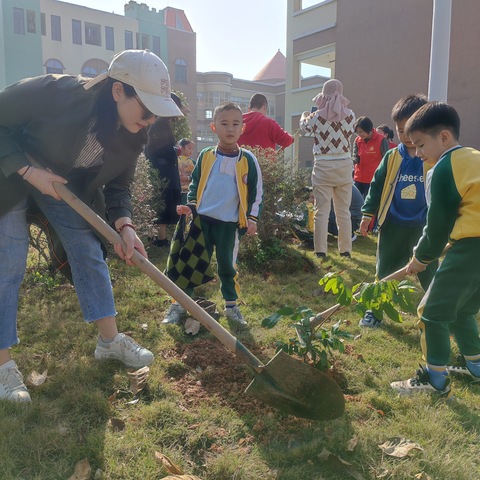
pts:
pixel 93 67
pixel 128 40
pixel 109 38
pixel 31 22
pixel 145 41
pixel 19 21
pixel 178 22
pixel 93 34
pixel 54 66
pixel 180 71
pixel 56 28
pixel 77 32
pixel 43 24
pixel 208 114
pixel 156 45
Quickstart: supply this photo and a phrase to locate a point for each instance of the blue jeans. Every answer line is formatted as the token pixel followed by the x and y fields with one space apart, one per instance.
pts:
pixel 85 256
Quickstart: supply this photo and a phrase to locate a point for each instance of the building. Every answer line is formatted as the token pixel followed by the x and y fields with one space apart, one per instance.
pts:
pixel 50 36
pixel 380 50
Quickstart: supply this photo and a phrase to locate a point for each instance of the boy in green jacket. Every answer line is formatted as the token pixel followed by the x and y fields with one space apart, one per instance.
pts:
pixel 397 198
pixel 226 190
pixel 453 299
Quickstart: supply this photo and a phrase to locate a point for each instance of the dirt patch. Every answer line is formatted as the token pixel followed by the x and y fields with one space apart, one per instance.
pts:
pixel 215 372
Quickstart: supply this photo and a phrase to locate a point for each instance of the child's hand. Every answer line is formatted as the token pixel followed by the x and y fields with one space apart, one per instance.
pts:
pixel 415 267
pixel 183 210
pixel 252 228
pixel 364 226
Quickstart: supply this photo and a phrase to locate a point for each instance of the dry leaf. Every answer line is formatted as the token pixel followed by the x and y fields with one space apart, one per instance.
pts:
pixel 422 476
pixel 113 397
pixel 168 464
pixel 82 471
pixel 138 379
pixel 340 465
pixel 192 326
pixel 35 379
pixel 117 424
pixel 352 443
pixel 181 477
pixel 399 447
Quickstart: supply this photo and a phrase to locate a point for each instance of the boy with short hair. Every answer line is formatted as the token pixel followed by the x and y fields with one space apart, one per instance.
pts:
pixel 226 190
pixel 397 198
pixel 453 299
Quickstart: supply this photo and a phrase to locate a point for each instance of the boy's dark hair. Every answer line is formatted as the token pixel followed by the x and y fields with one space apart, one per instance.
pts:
pixel 364 123
pixel 386 129
pixel 223 107
pixel 185 141
pixel 407 106
pixel 258 100
pixel 434 117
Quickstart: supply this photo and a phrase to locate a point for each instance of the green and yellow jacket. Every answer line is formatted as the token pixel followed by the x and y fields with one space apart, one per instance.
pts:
pixel 454 209
pixel 249 183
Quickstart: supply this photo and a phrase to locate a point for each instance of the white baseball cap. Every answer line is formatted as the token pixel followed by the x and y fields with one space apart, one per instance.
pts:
pixel 148 75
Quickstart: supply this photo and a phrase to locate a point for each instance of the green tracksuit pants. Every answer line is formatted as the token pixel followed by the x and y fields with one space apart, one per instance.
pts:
pixel 451 304
pixel 395 249
pixel 224 237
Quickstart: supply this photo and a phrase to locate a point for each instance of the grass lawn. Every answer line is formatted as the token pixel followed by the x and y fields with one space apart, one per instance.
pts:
pixel 193 409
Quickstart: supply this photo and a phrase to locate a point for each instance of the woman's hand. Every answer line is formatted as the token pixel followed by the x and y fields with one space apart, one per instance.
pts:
pixel 131 240
pixel 42 179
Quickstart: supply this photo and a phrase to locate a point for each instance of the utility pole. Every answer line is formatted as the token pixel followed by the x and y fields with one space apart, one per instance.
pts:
pixel 440 50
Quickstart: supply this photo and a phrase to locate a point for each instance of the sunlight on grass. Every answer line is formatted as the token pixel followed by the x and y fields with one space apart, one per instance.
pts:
pixel 197 414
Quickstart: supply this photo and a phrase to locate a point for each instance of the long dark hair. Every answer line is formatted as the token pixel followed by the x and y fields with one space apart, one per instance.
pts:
pixel 106 125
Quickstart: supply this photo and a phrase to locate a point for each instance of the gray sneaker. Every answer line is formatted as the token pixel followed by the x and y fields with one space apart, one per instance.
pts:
pixel 174 314
pixel 234 314
pixel 11 384
pixel 125 349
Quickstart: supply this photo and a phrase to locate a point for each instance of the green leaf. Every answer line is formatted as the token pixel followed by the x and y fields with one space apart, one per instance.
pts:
pixel 271 321
pixel 285 311
pixel 390 310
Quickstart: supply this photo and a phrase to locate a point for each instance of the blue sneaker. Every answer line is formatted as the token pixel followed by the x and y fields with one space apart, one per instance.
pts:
pixel 369 320
pixel 463 370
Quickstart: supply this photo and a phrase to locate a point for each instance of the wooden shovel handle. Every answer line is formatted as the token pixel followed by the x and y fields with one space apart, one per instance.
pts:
pixel 322 317
pixel 232 343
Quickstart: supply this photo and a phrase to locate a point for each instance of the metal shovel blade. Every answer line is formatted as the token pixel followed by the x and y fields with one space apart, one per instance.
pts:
pixel 297 389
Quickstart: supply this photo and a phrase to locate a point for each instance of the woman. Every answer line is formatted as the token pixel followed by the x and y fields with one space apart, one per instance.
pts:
pixel 368 151
pixel 331 125
pixel 162 152
pixel 87 134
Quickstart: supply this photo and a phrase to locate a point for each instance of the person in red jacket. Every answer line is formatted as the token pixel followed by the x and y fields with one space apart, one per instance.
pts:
pixel 368 151
pixel 261 131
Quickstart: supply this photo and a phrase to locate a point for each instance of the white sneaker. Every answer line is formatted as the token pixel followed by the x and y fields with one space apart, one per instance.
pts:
pixel 419 384
pixel 234 314
pixel 125 349
pixel 11 383
pixel 174 314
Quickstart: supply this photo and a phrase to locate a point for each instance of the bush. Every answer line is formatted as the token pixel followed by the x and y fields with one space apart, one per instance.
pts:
pixel 283 189
pixel 144 194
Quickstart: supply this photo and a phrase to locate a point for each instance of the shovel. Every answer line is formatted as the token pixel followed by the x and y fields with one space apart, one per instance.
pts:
pixel 283 383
